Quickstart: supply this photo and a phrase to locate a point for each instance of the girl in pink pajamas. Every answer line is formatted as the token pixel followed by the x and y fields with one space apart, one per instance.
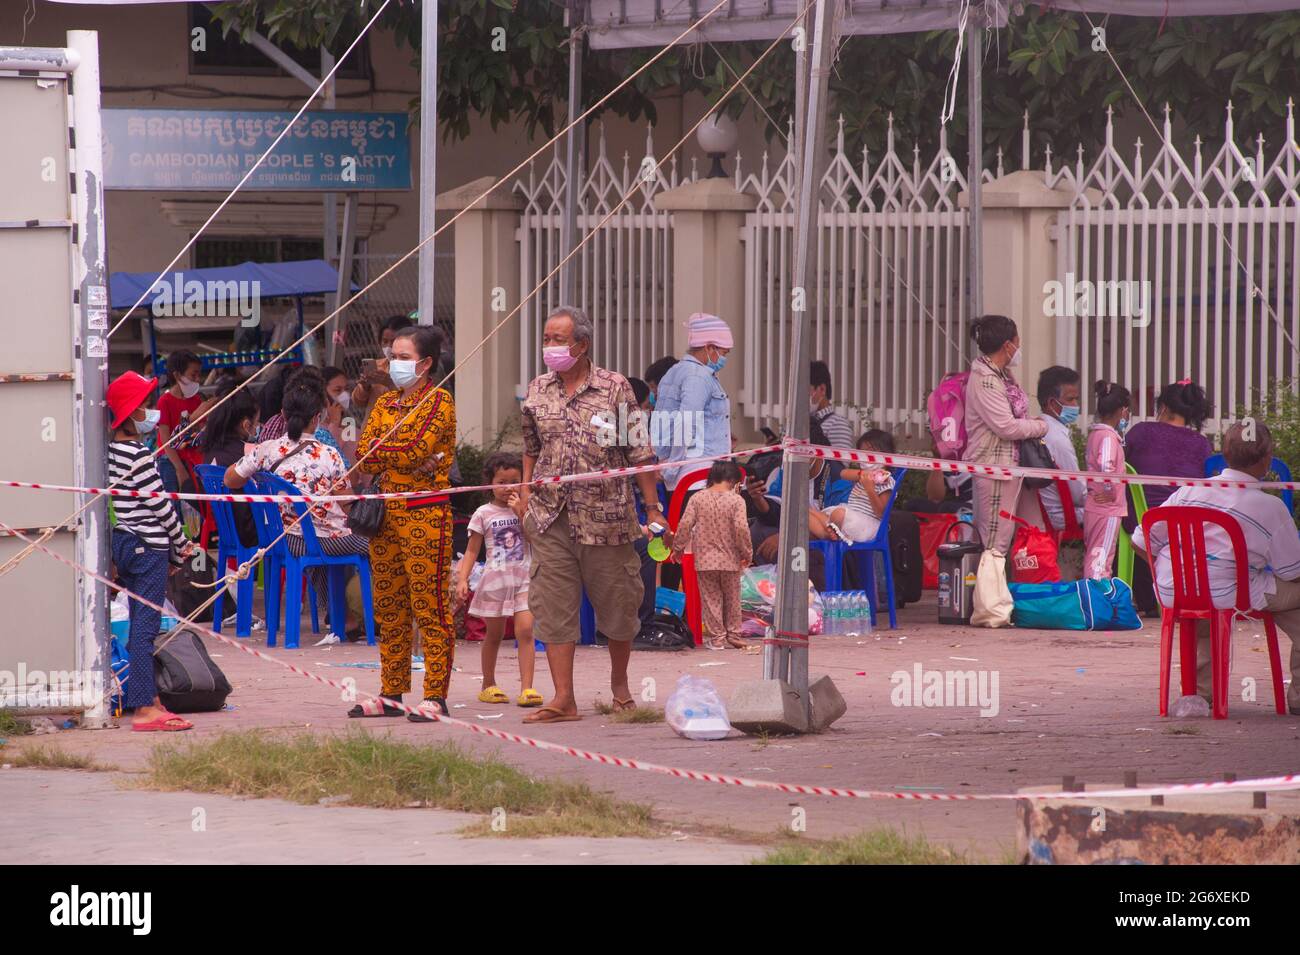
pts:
pixel 1105 504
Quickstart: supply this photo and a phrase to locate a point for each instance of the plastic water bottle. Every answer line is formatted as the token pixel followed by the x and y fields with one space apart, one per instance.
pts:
pixel 864 626
pixel 836 614
pixel 847 627
pixel 855 624
pixel 828 614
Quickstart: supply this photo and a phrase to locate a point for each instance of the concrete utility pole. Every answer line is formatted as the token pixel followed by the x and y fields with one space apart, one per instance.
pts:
pixel 783 700
pixel 573 153
pixel 975 185
pixel 428 151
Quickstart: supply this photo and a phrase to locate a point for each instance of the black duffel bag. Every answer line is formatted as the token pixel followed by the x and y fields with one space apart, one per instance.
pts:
pixel 188 681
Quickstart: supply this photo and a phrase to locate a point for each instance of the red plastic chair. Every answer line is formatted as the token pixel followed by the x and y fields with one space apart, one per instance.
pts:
pixel 691 586
pixel 1193 601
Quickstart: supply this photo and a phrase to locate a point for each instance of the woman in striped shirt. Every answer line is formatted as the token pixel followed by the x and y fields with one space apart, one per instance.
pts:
pixel 146 535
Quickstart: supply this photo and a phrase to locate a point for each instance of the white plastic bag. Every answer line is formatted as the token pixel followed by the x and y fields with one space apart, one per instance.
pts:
pixel 992 597
pixel 695 711
pixel 1186 706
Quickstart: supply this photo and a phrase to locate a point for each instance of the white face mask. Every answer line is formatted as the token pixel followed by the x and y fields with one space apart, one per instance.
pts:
pixel 188 388
pixel 1014 362
pixel 388 352
pixel 151 418
pixel 344 399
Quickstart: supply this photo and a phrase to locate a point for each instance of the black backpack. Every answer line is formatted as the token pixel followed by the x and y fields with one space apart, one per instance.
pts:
pixel 664 631
pixel 188 681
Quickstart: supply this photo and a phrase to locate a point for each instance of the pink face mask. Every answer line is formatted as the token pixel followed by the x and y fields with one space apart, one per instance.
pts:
pixel 557 358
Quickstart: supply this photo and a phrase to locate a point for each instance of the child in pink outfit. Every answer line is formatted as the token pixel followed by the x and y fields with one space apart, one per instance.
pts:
pixel 1105 504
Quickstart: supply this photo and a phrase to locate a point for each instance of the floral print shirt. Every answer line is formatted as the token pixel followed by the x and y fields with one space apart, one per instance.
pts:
pixel 567 434
pixel 314 469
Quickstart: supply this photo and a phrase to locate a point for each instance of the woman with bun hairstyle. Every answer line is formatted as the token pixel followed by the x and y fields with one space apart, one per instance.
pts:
pixel 996 418
pixel 1171 445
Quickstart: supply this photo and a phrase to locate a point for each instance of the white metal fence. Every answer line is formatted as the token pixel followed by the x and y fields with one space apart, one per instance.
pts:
pixel 624 273
pixel 889 307
pixel 1213 246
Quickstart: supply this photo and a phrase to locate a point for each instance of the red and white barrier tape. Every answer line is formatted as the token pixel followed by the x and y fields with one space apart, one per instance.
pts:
pixel 919 463
pixel 602 475
pixel 1270 783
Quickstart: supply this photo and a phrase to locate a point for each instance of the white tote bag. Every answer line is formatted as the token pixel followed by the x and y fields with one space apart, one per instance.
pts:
pixel 992 600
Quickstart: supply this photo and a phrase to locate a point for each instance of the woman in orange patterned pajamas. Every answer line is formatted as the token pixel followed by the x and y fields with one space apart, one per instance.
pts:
pixel 410 557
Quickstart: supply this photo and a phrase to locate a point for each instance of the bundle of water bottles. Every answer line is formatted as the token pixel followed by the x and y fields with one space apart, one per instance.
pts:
pixel 846 613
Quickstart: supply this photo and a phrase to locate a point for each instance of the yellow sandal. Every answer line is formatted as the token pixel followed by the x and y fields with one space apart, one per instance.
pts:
pixel 493 694
pixel 529 697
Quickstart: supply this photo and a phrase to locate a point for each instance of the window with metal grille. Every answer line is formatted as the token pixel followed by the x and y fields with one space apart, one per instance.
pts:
pixel 219 253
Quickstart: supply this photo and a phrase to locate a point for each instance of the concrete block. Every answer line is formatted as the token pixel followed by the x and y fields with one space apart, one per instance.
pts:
pixel 827 703
pixel 770 706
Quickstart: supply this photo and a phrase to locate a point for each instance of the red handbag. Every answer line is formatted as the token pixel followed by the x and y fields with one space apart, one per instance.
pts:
pixel 934 529
pixel 1033 553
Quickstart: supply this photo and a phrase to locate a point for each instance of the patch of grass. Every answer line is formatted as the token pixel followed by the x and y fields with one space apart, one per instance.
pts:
pixel 46 757
pixel 642 714
pixel 1183 731
pixel 874 847
pixel 363 770
pixel 11 725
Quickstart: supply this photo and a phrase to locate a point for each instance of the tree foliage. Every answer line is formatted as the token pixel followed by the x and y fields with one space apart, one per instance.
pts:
pixel 507 60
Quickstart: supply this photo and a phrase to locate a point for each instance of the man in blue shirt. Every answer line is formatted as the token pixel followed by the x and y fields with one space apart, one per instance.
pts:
pixel 692 413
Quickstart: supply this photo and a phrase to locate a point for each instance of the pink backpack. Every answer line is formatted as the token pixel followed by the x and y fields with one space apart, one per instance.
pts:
pixel 947 410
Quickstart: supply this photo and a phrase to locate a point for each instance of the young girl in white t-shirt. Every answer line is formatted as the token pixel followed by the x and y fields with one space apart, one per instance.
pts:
pixel 503 589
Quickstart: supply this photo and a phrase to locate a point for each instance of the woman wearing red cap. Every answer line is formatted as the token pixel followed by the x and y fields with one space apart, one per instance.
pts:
pixel 146 535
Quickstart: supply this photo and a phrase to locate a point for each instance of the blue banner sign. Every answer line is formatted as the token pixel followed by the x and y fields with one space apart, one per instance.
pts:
pixel 211 150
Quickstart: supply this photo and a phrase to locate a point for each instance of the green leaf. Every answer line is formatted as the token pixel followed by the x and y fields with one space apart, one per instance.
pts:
pixel 1232 60
pixel 1167 59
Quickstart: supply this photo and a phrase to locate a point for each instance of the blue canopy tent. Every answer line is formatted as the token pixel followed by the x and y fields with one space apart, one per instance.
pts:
pixel 215 293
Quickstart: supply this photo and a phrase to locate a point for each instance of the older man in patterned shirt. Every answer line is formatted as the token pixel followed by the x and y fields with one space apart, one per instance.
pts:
pixel 581 533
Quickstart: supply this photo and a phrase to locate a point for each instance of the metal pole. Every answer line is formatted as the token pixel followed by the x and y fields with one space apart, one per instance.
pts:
pixel 345 273
pixel 792 567
pixel 573 153
pixel 330 210
pixel 975 184
pixel 91 370
pixel 428 151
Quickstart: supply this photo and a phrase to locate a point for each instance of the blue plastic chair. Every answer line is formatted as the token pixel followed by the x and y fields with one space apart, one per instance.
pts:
pixel 295 566
pixel 270 527
pixel 587 621
pixel 863 552
pixel 1215 463
pixel 228 548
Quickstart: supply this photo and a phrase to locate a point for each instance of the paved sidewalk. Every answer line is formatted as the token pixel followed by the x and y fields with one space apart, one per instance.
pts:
pixel 1080 704
pixel 58 816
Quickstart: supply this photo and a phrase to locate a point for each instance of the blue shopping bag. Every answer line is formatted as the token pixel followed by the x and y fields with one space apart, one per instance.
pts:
pixel 1076 605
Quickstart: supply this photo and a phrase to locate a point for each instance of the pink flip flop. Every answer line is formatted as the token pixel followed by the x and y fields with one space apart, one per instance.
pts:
pixel 168 723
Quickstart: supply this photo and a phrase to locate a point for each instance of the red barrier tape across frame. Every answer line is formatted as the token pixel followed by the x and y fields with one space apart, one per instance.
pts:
pixel 1000 472
pixel 1271 783
pixel 910 461
pixel 601 475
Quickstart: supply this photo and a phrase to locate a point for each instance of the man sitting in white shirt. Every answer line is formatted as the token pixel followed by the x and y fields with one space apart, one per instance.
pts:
pixel 1272 548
